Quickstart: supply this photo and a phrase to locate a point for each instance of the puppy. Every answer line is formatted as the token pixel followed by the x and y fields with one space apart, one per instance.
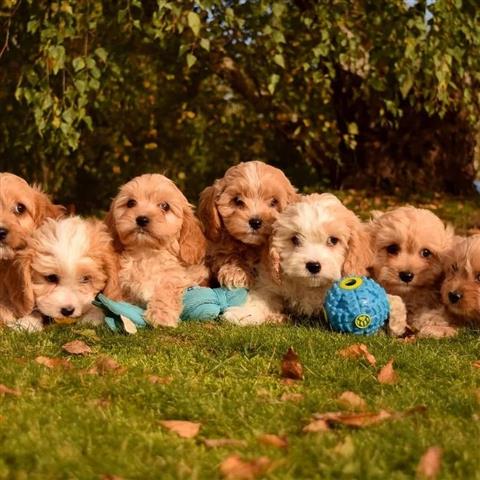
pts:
pixel 314 243
pixel 161 246
pixel 23 208
pixel 65 264
pixel 461 287
pixel 409 247
pixel 237 212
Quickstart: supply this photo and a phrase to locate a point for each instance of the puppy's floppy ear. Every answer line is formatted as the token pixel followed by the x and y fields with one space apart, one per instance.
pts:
pixel 192 241
pixel 18 282
pixel 208 213
pixel 44 208
pixel 109 221
pixel 360 253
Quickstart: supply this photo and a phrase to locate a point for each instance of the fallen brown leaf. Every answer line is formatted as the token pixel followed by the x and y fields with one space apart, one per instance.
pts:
pixel 476 363
pixel 224 442
pixel 53 362
pixel 430 463
pixel 356 420
pixel 182 428
pixel 77 347
pixel 234 468
pixel 352 400
pixel 387 375
pixel 155 379
pixel 316 426
pixel 106 365
pixel 291 366
pixel 358 350
pixel 4 390
pixel 111 477
pixel 291 397
pixel 273 440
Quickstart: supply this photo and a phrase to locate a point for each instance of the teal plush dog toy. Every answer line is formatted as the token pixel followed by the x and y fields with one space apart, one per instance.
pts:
pixel 199 304
pixel 356 305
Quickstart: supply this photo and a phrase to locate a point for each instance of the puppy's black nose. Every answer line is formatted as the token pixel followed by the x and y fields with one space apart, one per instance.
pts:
pixel 3 233
pixel 313 267
pixel 406 277
pixel 142 221
pixel 67 311
pixel 454 297
pixel 255 223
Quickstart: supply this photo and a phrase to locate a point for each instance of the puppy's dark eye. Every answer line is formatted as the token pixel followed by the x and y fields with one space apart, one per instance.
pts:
pixel 425 253
pixel 20 209
pixel 165 206
pixel 238 201
pixel 477 277
pixel 274 202
pixel 332 241
pixel 454 268
pixel 52 278
pixel 85 279
pixel 393 249
pixel 296 240
pixel 131 203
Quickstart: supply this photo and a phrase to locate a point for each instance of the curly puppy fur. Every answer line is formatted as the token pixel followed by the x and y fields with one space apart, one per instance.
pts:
pixel 461 287
pixel 65 264
pixel 161 246
pixel 238 211
pixel 23 208
pixel 314 243
pixel 410 245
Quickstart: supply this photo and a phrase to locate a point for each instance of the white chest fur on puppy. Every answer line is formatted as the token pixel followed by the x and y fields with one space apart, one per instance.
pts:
pixel 314 242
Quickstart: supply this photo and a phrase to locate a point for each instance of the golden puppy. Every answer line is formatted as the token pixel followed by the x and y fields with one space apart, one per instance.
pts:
pixel 461 287
pixel 161 246
pixel 23 208
pixel 409 245
pixel 314 243
pixel 238 211
pixel 66 263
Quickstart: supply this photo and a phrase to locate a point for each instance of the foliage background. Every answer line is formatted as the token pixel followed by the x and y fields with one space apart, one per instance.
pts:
pixel 363 93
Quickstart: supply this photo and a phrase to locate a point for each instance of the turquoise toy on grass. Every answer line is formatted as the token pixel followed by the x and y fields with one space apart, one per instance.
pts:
pixel 356 305
pixel 199 304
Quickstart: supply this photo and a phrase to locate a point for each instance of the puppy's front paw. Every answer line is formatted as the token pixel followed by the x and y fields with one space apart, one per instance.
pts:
pixel 232 276
pixel 93 317
pixel 437 331
pixel 29 323
pixel 161 318
pixel 397 321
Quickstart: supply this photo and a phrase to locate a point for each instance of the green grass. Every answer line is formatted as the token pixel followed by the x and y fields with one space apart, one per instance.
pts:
pixel 69 424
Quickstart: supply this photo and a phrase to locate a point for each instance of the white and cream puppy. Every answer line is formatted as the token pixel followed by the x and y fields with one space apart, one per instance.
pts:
pixel 314 242
pixel 65 264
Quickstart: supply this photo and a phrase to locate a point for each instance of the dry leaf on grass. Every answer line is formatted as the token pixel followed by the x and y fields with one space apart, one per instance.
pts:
pixel 352 400
pixel 476 363
pixel 234 468
pixel 430 463
pixel 156 380
pixel 106 365
pixel 358 350
pixel 291 397
pixel 4 390
pixel 77 347
pixel 111 477
pixel 316 426
pixel 182 428
pixel 273 440
pixel 387 375
pixel 224 442
pixel 291 366
pixel 53 362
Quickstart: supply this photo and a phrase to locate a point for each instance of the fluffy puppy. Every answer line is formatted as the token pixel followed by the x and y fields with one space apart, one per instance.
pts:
pixel 23 208
pixel 314 243
pixel 161 246
pixel 409 245
pixel 461 287
pixel 238 211
pixel 65 264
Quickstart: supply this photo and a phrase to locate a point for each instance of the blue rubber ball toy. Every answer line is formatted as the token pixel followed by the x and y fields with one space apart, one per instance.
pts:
pixel 356 305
